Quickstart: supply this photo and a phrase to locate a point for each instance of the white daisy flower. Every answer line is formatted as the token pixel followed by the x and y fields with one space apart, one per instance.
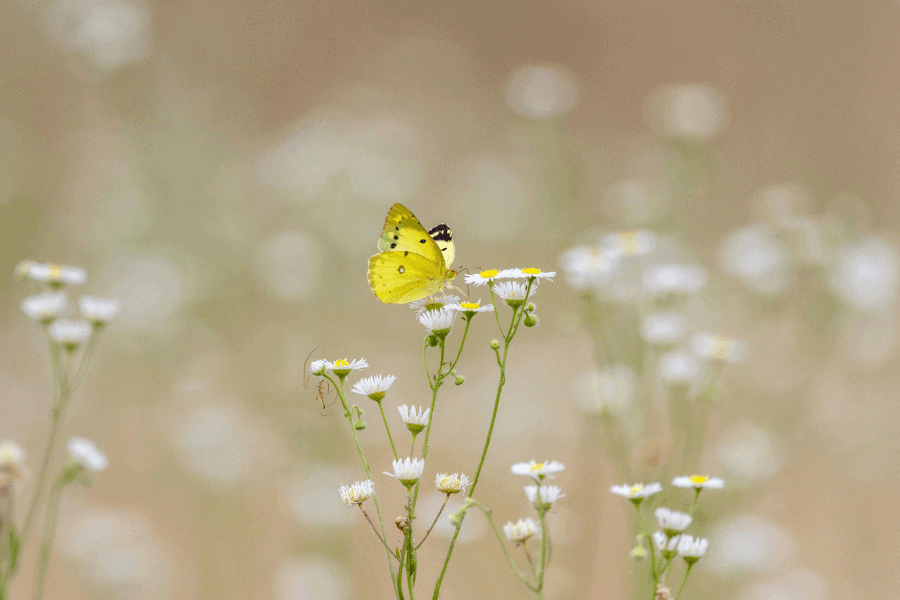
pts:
pixel 718 349
pixel 514 292
pixel 433 303
pixel 86 454
pixel 673 280
pixel 543 497
pixel 483 278
pixel 678 368
pixel 666 545
pixel 438 322
pixel 416 419
pixel 638 491
pixel 699 482
pixel 630 243
pixel 44 307
pixel 521 530
pixel 56 274
pixel 588 267
pixel 663 330
pixel 357 493
pixel 451 483
pixel 318 367
pixel 99 311
pixel 527 273
pixel 407 470
pixel 692 549
pixel 538 471
pixel 375 387
pixel 69 334
pixel 470 308
pixel 672 521
pixel 342 367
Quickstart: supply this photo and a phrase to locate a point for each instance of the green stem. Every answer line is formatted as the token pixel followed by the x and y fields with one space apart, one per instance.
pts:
pixel 649 538
pixel 388 430
pixel 47 539
pixel 684 580
pixel 461 343
pixel 694 503
pixel 362 458
pixel 436 517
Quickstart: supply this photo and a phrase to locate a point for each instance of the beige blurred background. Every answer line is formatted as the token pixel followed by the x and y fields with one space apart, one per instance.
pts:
pixel 224 170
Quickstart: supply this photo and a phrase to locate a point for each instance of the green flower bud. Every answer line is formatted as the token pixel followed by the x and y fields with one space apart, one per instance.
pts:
pixel 495 344
pixel 460 379
pixel 531 320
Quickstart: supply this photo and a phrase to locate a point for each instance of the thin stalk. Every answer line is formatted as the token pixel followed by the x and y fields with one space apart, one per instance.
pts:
pixel 375 531
pixel 388 430
pixel 684 581
pixel 436 517
pixel 649 538
pixel 47 539
pixel 488 513
pixel 362 458
pixel 694 503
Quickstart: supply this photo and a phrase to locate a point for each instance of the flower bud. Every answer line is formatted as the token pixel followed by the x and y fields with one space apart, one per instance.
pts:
pixel 495 344
pixel 460 379
pixel 531 319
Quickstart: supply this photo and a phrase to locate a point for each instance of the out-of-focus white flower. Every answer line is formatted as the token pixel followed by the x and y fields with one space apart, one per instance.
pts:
pixel 630 243
pixel 483 278
pixel 690 113
pixel 538 471
pixel 514 292
pixel 375 387
pixel 750 543
pixel 416 419
pixel 44 307
pixel 527 273
pixel 434 303
pixel 692 549
pixel 86 454
pixel 638 491
pixel 99 311
pixel 541 91
pixel 589 267
pixel 543 497
pixel 342 367
pixel 451 483
pixel 318 367
pixel 407 470
pixel 750 453
pixel 673 280
pixel 69 334
pixel 665 544
pixel 678 368
pixel 757 258
pixel 357 493
pixel 56 274
pixel 600 390
pixel 865 274
pixel 672 521
pixel 717 348
pixel 12 461
pixel 438 322
pixel 698 482
pixel 471 308
pixel 663 330
pixel 521 530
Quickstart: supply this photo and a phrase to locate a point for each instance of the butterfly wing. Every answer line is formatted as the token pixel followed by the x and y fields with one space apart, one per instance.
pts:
pixel 398 277
pixel 443 237
pixel 403 232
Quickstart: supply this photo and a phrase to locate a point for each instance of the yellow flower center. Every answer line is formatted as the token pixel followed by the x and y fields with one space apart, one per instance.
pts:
pixel 636 489
pixel 531 271
pixel 436 305
pixel 537 467
pixel 447 481
pixel 719 348
pixel 342 363
pixel 55 272
pixel 7 457
pixel 698 479
pixel 469 305
pixel 489 273
pixel 627 242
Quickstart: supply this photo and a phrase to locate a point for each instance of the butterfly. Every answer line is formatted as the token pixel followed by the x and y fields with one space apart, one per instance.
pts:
pixel 413 263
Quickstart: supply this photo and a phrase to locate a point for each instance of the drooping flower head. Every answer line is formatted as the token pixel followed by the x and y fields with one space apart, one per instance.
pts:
pixel 357 493
pixel 99 311
pixel 672 521
pixel 438 322
pixel 416 419
pixel 83 452
pixel 521 530
pixel 514 292
pixel 451 483
pixel 407 470
pixel 692 549
pixel 543 497
pixel 69 334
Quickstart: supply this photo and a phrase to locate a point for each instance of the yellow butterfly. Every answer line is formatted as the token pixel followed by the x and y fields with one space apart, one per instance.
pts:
pixel 413 263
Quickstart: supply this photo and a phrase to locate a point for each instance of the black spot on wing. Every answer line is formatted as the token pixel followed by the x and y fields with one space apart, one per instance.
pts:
pixel 441 233
pixel 393 244
pixel 421 241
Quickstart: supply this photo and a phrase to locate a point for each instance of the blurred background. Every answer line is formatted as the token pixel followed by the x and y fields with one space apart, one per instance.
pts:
pixel 224 169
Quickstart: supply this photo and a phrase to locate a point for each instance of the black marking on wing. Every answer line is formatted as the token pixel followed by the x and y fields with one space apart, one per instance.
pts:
pixel 441 233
